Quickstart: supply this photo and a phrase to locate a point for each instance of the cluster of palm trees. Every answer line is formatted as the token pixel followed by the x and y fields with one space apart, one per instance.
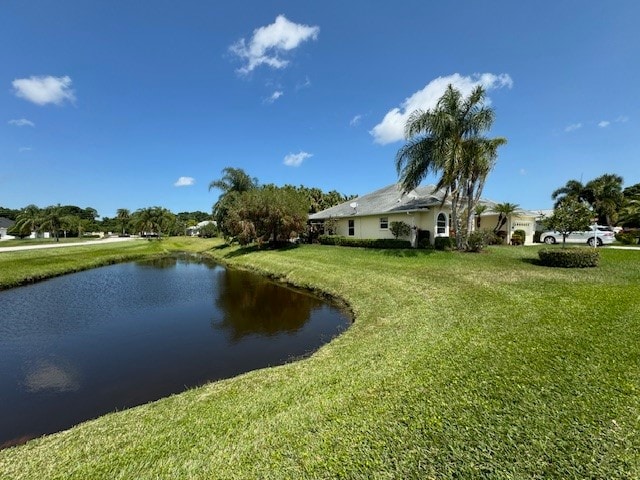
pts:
pixel 604 195
pixel 54 219
pixel 449 141
pixel 147 221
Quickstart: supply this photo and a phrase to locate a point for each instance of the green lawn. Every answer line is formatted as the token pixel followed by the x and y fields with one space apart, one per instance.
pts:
pixel 42 241
pixel 457 366
pixel 21 267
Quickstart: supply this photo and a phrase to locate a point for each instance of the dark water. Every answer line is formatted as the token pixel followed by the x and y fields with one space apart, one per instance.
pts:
pixel 78 346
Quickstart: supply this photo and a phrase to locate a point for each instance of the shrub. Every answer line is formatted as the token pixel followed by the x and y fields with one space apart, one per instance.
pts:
pixel 424 243
pixel 444 243
pixel 479 239
pixel 399 229
pixel 579 257
pixel 424 236
pixel 518 237
pixel 363 242
pixel 627 238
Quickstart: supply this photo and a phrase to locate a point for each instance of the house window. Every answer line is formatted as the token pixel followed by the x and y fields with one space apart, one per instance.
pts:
pixel 441 224
pixel 352 228
pixel 384 223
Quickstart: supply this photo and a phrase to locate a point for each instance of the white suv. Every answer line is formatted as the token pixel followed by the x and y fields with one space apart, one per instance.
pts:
pixel 597 233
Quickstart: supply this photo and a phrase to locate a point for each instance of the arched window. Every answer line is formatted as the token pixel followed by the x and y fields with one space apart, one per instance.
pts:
pixel 441 224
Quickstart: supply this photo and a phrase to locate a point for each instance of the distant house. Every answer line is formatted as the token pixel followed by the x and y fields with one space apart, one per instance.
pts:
pixel 5 225
pixel 370 215
pixel 195 230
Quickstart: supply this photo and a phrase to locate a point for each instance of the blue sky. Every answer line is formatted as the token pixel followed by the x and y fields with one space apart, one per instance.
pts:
pixel 126 104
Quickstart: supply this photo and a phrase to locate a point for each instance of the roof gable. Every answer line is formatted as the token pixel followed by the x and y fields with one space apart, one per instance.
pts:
pixel 389 199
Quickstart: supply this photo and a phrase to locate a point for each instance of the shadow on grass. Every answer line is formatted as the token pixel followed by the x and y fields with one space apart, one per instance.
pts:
pixel 533 261
pixel 407 253
pixel 279 247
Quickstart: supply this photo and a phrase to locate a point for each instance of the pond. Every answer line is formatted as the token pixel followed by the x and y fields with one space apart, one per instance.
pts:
pixel 78 346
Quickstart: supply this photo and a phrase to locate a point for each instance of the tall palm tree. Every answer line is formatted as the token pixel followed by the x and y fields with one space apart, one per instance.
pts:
pixel 447 141
pixel 124 215
pixel 481 155
pixel 234 182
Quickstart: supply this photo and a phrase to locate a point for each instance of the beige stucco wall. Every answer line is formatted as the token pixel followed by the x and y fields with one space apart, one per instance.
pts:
pixel 369 226
pixel 489 222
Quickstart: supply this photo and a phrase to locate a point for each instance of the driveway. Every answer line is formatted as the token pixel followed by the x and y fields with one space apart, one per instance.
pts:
pixel 62 245
pixel 625 248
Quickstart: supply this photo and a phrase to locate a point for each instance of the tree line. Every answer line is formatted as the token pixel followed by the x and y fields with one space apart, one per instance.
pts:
pixel 73 221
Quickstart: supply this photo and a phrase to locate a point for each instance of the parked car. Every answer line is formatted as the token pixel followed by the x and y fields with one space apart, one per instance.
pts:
pixel 603 236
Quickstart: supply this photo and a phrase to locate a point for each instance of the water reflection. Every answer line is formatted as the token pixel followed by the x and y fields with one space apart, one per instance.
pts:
pixel 253 306
pixel 46 375
pixel 82 345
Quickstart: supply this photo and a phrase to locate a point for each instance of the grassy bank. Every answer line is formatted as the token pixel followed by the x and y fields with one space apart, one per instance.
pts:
pixel 27 266
pixel 458 366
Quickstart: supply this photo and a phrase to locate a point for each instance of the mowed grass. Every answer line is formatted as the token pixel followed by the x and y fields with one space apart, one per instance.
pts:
pixel 27 266
pixel 457 366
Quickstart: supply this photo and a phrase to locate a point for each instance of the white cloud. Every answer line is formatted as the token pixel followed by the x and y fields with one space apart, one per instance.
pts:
pixel 622 119
pixel 270 42
pixel 25 149
pixel 391 128
pixel 573 127
pixel 274 96
pixel 296 159
pixel 523 172
pixel 355 121
pixel 22 122
pixel 604 123
pixel 43 90
pixel 184 182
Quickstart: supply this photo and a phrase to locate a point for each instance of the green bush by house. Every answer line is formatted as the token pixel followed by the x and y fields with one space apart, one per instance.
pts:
pixel 363 242
pixel 444 243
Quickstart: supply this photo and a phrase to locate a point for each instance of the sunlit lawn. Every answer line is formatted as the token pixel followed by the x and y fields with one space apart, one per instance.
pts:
pixel 457 366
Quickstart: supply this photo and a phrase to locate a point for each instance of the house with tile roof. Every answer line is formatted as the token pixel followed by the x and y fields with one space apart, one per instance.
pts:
pixel 423 209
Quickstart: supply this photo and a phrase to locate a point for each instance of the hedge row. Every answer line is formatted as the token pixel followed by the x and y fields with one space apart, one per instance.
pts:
pixel 363 242
pixel 569 257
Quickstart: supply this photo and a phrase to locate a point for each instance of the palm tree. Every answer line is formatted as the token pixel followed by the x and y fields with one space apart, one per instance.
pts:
pixel 29 218
pixel 143 220
pixel 234 182
pixel 573 189
pixel 447 141
pixel 481 155
pixel 505 211
pixel 477 213
pixel 124 215
pixel 53 218
pixel 606 197
pixel 630 213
